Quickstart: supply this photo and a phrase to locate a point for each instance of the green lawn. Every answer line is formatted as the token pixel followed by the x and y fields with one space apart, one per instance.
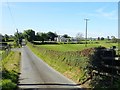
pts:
pixel 75 47
pixel 66 47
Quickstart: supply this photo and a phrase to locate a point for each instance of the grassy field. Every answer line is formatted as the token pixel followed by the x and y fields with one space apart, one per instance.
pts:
pixel 76 47
pixel 10 70
pixel 67 47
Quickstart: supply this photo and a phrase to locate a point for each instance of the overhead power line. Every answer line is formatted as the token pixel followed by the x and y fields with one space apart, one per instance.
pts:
pixel 12 18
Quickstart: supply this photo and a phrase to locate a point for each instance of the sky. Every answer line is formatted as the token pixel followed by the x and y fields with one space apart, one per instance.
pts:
pixel 61 17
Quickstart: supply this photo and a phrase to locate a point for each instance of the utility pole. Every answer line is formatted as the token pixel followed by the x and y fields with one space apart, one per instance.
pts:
pixel 86 20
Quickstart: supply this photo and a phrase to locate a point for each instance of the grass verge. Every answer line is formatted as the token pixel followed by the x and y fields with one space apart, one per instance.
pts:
pixel 10 71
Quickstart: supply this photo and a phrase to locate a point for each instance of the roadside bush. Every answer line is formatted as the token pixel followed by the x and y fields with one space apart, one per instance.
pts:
pixel 117 84
pixel 7 84
pixel 10 70
pixel 10 75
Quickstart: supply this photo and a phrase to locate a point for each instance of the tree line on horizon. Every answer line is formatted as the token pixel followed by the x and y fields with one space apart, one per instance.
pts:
pixel 30 36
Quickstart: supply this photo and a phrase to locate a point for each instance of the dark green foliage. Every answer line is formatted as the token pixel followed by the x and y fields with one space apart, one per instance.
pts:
pixel 12 75
pixel 18 36
pixel 66 36
pixel 102 38
pixel 51 36
pixel 29 35
pixel 9 80
pixel 41 37
pixel 7 84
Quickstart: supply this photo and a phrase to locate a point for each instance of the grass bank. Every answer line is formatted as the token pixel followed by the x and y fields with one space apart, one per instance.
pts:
pixel 10 70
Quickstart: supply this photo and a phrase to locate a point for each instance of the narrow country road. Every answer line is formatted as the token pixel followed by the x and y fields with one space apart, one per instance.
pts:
pixel 35 73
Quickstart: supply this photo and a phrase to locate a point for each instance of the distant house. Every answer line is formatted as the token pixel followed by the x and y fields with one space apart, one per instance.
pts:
pixel 63 39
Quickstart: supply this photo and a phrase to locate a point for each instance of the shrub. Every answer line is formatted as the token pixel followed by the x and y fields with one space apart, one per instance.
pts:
pixel 7 84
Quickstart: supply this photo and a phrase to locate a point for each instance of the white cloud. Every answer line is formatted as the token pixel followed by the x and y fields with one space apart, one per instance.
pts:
pixel 102 13
pixel 110 15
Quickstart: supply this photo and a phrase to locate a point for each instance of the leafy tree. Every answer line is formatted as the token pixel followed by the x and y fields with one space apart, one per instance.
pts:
pixel 51 36
pixel 102 38
pixel 114 40
pixel 29 35
pixel 37 37
pixel 18 36
pixel 44 37
pixel 108 38
pixel 16 39
pixel 6 37
pixel 98 38
pixel 41 36
pixel 66 36
pixel 11 38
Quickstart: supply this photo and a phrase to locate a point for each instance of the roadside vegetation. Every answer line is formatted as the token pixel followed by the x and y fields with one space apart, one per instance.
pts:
pixel 66 54
pixel 63 62
pixel 9 68
pixel 72 60
pixel 1 53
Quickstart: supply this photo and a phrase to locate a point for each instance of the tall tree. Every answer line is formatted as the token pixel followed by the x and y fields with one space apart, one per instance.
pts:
pixel 18 36
pixel 98 38
pixel 29 35
pixel 66 36
pixel 37 37
pixel 41 36
pixel 108 38
pixel 102 38
pixel 51 36
pixel 44 37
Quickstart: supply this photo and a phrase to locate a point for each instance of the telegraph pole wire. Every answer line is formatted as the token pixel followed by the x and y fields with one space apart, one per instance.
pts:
pixel 12 18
